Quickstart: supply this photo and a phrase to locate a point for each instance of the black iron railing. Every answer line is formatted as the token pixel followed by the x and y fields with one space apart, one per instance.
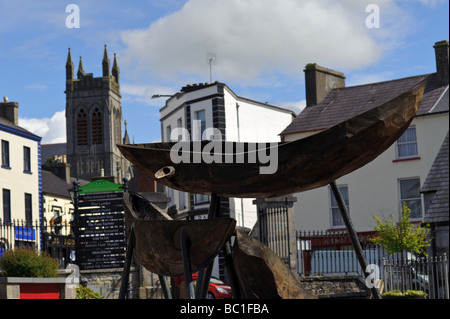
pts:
pixel 56 239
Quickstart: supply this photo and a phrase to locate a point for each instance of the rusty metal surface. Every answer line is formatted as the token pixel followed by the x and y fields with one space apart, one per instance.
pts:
pixel 262 274
pixel 157 244
pixel 304 164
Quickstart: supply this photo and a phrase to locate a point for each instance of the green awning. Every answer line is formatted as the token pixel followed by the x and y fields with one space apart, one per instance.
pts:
pixel 100 186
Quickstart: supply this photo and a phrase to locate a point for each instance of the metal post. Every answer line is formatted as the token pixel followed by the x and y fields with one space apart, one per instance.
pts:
pixel 204 275
pixel 127 266
pixel 185 244
pixel 165 287
pixel 353 236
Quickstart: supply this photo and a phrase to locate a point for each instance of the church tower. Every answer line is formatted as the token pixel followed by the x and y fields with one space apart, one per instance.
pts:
pixel 94 122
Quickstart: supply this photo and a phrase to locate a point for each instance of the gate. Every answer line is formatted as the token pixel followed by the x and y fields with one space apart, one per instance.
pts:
pixel 274 230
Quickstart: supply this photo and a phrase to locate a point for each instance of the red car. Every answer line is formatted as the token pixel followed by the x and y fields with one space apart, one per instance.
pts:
pixel 217 288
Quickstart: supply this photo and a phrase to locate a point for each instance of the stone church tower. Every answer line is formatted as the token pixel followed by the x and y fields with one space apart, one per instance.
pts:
pixel 94 122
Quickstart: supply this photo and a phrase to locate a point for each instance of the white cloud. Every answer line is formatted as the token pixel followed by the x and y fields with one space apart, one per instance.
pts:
pixel 36 87
pixel 143 93
pixel 297 106
pixel 253 38
pixel 52 130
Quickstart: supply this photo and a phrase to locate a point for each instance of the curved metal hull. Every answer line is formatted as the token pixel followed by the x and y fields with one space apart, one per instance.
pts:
pixel 304 164
pixel 157 245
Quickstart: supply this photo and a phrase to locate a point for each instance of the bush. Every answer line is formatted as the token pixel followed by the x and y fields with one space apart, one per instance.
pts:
pixel 22 262
pixel 409 293
pixel 87 293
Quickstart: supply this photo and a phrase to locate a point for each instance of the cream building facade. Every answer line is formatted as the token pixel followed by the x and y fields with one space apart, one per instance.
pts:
pixel 20 176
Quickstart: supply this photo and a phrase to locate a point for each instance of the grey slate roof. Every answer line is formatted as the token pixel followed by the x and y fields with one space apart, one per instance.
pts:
pixel 50 150
pixel 438 181
pixel 52 184
pixel 344 103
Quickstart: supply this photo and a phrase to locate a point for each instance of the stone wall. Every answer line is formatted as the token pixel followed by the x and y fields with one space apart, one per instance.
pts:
pixel 107 282
pixel 336 287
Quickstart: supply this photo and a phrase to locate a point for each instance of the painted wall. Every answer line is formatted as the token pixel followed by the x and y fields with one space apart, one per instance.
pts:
pixel 18 181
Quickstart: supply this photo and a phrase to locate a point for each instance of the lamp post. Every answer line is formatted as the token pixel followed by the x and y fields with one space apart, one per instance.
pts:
pixel 73 193
pixel 156 96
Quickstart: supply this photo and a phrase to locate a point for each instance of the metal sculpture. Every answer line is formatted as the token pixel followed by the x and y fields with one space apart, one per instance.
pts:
pixel 171 247
pixel 304 164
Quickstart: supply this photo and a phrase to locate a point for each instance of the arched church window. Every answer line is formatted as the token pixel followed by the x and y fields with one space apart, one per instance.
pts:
pixel 97 129
pixel 82 128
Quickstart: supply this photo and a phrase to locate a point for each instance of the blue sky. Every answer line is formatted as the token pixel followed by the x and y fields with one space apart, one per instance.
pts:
pixel 261 48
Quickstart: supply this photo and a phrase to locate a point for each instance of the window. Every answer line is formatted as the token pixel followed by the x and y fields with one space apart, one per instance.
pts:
pixel 6 205
pixel 407 144
pixel 201 198
pixel 97 128
pixel 5 154
pixel 182 200
pixel 168 133
pixel 336 217
pixel 28 209
pixel 200 124
pixel 180 125
pixel 82 128
pixel 26 159
pixel 410 194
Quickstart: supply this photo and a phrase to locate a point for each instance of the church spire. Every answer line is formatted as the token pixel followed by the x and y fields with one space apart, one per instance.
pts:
pixel 69 67
pixel 105 63
pixel 115 69
pixel 80 72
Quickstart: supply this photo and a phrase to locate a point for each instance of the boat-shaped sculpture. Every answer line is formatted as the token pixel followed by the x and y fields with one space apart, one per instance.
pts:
pixel 262 274
pixel 237 169
pixel 157 237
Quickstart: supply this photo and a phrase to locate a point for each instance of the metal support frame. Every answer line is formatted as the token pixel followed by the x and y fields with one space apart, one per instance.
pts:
pixel 185 245
pixel 353 236
pixel 127 266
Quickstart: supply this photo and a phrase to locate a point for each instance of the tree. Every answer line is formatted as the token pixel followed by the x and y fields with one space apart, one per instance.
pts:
pixel 402 236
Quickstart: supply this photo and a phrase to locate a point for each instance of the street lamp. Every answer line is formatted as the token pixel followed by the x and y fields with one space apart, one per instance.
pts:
pixel 73 190
pixel 156 96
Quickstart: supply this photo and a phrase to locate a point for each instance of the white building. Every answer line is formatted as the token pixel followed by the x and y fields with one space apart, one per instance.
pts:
pixel 20 176
pixel 379 188
pixel 201 106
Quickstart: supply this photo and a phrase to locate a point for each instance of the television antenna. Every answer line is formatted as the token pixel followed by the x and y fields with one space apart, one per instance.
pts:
pixel 211 59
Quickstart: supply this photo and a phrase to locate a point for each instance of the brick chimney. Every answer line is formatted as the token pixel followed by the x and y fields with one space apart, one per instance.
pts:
pixel 58 166
pixel 9 111
pixel 319 81
pixel 441 52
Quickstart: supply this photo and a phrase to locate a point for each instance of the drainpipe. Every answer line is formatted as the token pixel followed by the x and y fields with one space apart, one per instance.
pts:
pixel 239 139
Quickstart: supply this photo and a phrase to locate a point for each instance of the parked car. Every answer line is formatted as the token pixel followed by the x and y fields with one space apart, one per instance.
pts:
pixel 217 288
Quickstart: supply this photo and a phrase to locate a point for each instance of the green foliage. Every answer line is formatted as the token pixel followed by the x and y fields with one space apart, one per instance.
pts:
pixel 87 293
pixel 409 293
pixel 401 236
pixel 23 262
pixel 310 65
